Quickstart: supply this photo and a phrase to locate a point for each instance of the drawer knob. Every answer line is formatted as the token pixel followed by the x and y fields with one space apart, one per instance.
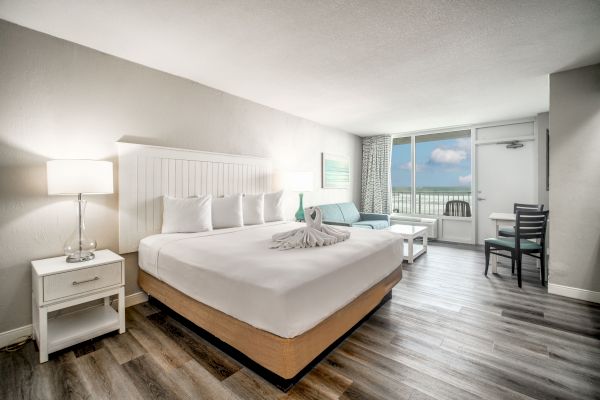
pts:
pixel 75 283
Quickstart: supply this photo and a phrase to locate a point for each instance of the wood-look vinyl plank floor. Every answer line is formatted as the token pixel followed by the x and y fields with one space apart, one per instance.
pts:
pixel 449 332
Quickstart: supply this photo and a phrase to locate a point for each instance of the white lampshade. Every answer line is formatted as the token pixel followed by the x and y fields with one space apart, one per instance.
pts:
pixel 299 181
pixel 79 176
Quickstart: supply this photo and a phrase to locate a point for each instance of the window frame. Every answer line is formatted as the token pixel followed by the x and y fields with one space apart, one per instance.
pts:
pixel 413 188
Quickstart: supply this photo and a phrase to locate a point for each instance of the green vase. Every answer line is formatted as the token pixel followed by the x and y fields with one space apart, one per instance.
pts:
pixel 300 212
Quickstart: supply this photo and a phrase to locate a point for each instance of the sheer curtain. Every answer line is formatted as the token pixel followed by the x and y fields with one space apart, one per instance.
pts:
pixel 376 188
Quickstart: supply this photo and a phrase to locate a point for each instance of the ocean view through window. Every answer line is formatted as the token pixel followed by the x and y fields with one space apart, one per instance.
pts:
pixel 441 172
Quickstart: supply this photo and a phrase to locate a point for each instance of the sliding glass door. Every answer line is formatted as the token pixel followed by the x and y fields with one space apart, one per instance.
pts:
pixel 438 182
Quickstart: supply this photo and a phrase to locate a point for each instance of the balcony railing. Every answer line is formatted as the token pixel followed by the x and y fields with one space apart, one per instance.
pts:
pixel 427 202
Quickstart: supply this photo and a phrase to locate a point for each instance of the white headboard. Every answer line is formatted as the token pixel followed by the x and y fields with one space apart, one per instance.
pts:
pixel 146 173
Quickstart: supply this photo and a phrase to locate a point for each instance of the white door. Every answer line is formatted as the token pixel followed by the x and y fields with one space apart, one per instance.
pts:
pixel 504 177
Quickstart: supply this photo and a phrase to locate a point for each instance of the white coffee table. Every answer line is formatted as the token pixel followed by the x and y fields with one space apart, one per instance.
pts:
pixel 409 233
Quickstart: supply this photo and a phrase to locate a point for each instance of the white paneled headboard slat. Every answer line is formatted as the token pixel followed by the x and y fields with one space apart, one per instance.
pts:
pixel 147 173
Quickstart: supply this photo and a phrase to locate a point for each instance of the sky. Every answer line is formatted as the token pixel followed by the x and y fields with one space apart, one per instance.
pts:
pixel 441 163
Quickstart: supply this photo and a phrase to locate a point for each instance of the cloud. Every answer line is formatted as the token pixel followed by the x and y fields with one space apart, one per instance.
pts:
pixel 447 156
pixel 408 166
pixel 464 180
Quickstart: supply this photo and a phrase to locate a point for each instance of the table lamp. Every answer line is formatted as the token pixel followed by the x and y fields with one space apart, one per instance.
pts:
pixel 78 177
pixel 300 182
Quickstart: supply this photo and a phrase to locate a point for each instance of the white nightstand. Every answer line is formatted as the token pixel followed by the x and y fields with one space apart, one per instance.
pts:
pixel 58 284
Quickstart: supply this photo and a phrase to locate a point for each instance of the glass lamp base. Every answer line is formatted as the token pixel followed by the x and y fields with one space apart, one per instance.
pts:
pixel 79 247
pixel 80 256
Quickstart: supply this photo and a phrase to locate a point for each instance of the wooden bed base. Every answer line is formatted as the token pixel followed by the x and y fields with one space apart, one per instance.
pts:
pixel 285 357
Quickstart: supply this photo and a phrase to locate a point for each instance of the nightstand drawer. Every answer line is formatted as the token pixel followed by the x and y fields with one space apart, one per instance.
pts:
pixel 71 283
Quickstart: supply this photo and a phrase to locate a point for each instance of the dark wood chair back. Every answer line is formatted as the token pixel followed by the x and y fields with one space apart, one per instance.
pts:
pixel 531 225
pixel 527 207
pixel 457 208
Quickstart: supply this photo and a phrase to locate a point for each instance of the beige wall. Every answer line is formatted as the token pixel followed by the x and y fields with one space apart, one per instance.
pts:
pixel 62 100
pixel 575 178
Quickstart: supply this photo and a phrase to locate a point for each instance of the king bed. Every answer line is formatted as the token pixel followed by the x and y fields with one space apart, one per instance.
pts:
pixel 281 309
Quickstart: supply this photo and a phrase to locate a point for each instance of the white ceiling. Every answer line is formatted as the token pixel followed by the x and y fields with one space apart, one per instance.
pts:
pixel 364 66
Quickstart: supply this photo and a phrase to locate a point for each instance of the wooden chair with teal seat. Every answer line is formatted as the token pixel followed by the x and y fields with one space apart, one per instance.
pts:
pixel 530 225
pixel 509 231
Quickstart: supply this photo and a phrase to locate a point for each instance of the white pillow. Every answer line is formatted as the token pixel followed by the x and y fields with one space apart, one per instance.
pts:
pixel 254 209
pixel 227 212
pixel 186 215
pixel 274 206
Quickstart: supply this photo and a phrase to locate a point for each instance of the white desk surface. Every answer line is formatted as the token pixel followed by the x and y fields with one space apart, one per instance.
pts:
pixel 503 216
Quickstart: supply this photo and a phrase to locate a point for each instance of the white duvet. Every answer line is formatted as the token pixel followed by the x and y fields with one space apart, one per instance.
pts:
pixel 283 292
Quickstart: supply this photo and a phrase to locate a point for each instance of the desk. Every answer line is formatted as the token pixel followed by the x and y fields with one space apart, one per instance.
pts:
pixel 500 219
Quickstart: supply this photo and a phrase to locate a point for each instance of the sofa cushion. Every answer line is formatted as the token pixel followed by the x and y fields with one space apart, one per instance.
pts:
pixel 350 212
pixel 332 212
pixel 374 216
pixel 372 224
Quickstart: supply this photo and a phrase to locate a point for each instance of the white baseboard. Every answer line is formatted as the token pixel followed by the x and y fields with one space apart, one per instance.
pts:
pixel 15 335
pixel 133 299
pixel 574 293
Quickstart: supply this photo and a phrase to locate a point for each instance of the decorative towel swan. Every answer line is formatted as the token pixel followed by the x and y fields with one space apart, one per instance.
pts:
pixel 314 234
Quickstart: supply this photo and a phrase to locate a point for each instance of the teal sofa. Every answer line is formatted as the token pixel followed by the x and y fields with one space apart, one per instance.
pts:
pixel 346 214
